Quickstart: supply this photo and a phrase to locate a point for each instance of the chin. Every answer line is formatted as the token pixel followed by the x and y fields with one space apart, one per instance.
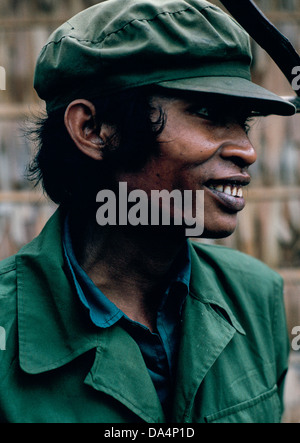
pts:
pixel 220 227
pixel 217 233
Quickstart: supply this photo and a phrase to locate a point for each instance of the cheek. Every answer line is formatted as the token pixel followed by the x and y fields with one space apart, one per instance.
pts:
pixel 189 147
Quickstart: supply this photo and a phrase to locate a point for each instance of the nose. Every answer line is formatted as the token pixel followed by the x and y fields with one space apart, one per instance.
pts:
pixel 239 149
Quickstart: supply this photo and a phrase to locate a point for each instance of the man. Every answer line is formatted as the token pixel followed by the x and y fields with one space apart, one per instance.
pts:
pixel 122 323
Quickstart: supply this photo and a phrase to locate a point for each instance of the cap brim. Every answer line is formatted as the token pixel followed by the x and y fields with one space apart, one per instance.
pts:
pixel 261 102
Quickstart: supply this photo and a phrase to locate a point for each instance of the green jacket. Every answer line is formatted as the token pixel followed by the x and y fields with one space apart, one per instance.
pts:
pixel 59 368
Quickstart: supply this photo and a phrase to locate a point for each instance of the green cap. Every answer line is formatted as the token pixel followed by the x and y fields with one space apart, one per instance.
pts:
pixel 188 45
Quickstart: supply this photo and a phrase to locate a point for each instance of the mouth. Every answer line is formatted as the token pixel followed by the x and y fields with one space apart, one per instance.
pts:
pixel 229 192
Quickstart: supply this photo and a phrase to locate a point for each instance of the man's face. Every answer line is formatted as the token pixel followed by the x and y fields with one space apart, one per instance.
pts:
pixel 199 151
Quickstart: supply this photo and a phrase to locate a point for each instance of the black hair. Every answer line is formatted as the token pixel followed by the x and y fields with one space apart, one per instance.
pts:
pixel 71 178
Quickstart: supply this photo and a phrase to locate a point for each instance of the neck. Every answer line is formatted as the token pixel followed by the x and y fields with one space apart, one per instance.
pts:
pixel 128 264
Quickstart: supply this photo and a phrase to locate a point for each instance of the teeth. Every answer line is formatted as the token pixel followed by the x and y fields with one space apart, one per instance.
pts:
pixel 228 190
pixel 234 191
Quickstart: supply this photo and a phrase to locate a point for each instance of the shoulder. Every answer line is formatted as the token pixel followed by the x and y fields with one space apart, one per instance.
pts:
pixel 253 291
pixel 247 284
pixel 237 264
pixel 8 290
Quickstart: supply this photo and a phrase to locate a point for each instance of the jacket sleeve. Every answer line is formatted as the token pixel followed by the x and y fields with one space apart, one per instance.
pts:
pixel 281 338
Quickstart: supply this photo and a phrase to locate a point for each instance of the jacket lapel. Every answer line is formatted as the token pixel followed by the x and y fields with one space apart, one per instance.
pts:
pixel 120 371
pixel 207 328
pixel 204 336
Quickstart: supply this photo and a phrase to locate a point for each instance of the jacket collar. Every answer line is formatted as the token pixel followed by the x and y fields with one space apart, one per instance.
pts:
pixel 205 287
pixel 54 328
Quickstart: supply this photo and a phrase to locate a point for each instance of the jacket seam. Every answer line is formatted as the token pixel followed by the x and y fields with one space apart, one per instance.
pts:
pixel 8 269
pixel 110 33
pixel 275 304
pixel 148 20
pixel 120 29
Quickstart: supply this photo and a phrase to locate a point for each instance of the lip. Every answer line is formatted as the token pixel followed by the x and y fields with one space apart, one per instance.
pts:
pixel 242 180
pixel 233 204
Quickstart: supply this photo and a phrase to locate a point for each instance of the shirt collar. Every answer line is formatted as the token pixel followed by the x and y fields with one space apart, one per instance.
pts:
pixel 102 311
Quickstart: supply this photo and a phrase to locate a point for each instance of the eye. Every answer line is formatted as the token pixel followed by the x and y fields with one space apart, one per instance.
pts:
pixel 205 112
pixel 213 114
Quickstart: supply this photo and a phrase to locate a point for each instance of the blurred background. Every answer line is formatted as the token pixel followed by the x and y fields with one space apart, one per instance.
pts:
pixel 269 228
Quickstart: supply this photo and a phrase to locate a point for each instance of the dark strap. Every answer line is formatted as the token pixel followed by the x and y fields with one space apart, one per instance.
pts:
pixel 252 19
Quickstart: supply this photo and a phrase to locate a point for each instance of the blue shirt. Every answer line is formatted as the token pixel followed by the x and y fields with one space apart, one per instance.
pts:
pixel 159 349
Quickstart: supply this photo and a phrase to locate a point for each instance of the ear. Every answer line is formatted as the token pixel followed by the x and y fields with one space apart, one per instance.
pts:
pixel 80 121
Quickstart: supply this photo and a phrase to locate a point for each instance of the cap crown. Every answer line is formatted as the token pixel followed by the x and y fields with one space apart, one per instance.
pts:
pixel 119 44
